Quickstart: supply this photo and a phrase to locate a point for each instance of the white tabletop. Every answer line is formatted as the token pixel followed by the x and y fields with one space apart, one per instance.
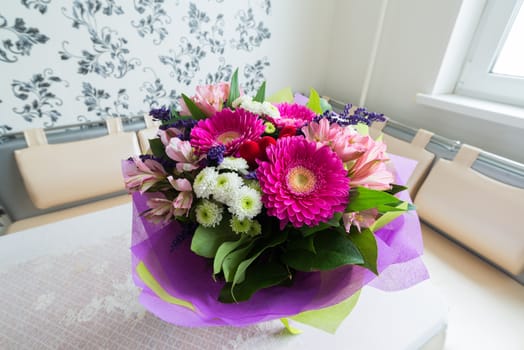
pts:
pixel 68 285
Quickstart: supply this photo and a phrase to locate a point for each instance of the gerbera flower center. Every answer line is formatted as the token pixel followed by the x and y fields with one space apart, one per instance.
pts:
pixel 301 180
pixel 228 136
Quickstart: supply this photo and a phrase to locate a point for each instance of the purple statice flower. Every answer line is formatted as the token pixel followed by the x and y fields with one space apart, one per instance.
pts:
pixel 166 162
pixel 215 155
pixel 252 175
pixel 348 117
pixel 184 125
pixel 163 113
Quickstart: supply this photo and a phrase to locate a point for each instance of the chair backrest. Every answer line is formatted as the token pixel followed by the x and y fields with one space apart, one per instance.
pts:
pixel 414 150
pixel 58 174
pixel 149 132
pixel 478 211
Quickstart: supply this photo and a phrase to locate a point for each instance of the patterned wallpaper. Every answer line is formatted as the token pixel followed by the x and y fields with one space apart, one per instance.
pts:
pixel 64 62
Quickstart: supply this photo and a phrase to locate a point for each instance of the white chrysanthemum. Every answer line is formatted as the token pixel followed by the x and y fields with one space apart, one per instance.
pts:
pixel 255 229
pixel 227 184
pixel 241 100
pixel 208 213
pixel 205 182
pixel 246 203
pixel 247 103
pixel 240 226
pixel 235 164
pixel 271 110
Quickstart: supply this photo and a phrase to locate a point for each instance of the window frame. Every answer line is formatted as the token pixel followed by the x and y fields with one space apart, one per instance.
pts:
pixel 476 79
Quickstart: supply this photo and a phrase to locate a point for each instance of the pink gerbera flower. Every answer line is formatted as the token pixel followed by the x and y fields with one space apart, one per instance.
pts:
pixel 301 183
pixel 292 114
pixel 228 128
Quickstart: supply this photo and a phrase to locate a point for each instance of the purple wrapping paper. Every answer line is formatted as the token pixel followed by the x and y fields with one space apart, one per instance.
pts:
pixel 186 276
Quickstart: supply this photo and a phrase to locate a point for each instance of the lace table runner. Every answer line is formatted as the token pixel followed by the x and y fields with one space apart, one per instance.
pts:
pixel 68 301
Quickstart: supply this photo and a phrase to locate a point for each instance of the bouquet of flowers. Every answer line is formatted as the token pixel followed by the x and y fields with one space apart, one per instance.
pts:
pixel 248 210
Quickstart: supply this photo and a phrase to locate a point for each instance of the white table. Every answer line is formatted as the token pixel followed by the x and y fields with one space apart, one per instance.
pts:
pixel 68 285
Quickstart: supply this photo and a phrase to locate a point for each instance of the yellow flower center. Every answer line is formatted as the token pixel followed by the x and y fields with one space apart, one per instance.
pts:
pixel 301 180
pixel 228 136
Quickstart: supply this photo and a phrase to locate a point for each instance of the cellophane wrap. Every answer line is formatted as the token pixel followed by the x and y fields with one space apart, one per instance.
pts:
pixel 165 251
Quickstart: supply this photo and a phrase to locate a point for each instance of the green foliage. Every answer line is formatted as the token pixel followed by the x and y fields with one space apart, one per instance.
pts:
pixel 261 93
pixel 258 277
pixel 224 250
pixel 232 262
pixel 157 148
pixel 195 111
pixel 271 241
pixel 207 240
pixel 234 91
pixel 396 189
pixel 333 249
pixel 362 198
pixel 367 246
pixel 237 257
pixel 334 222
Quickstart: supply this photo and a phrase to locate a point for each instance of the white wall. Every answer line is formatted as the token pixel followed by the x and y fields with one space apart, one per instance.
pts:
pixel 414 39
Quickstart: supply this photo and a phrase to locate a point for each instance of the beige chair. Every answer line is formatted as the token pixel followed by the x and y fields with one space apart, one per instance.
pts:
pixel 61 174
pixel 414 150
pixel 477 211
pixel 150 132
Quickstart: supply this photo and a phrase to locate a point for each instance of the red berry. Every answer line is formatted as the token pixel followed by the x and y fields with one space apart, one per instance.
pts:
pixel 249 150
pixel 288 131
pixel 263 143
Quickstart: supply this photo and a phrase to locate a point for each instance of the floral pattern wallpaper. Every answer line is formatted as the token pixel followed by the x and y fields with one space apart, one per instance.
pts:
pixel 69 61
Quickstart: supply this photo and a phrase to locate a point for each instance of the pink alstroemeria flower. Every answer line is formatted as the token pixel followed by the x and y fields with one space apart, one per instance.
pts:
pixel 183 201
pixel 182 152
pixel 209 98
pixel 362 219
pixel 370 170
pixel 346 142
pixel 168 134
pixel 160 210
pixel 141 175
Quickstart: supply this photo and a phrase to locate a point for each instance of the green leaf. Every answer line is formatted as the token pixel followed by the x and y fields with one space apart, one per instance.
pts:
pixel 314 102
pixel 303 243
pixel 234 259
pixel 157 148
pixel 333 249
pixel 274 240
pixel 195 111
pixel 367 246
pixel 234 91
pixel 206 240
pixel 334 222
pixel 261 93
pixel 328 319
pixel 396 189
pixel 362 198
pixel 389 216
pixel 258 277
pixel 224 249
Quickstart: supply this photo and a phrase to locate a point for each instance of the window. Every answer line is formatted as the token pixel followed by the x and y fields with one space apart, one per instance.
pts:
pixel 494 67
